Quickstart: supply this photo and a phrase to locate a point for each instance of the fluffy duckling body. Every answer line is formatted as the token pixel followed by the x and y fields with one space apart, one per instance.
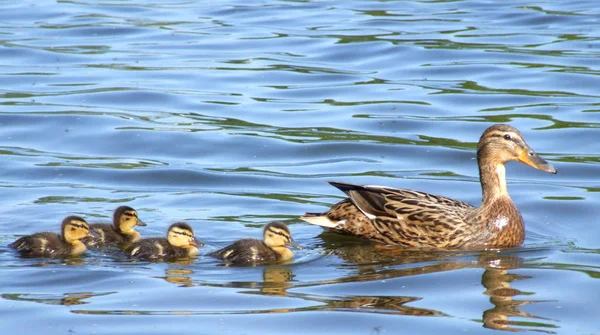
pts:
pixel 252 251
pixel 49 244
pixel 179 243
pixel 121 233
pixel 421 220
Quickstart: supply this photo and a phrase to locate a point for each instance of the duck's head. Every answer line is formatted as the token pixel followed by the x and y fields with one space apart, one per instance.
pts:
pixel 74 228
pixel 181 235
pixel 502 143
pixel 277 234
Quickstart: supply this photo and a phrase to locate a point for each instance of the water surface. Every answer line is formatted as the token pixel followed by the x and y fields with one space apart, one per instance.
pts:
pixel 231 114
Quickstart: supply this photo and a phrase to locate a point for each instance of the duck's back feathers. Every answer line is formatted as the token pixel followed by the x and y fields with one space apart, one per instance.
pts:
pixel 42 245
pixel 247 251
pixel 395 216
pixel 155 248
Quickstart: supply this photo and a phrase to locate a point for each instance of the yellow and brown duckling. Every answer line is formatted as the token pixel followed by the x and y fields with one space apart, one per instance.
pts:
pixel 47 244
pixel 120 233
pixel 272 249
pixel 421 220
pixel 179 243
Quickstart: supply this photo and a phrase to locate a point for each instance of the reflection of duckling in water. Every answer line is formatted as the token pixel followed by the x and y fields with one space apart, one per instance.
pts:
pixel 179 277
pixel 276 280
pixel 120 232
pixel 252 251
pixel 47 244
pixel 180 243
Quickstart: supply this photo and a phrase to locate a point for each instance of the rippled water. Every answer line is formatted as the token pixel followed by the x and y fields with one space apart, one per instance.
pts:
pixel 230 114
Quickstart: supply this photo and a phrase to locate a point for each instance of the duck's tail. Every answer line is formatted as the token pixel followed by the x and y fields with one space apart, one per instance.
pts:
pixel 320 219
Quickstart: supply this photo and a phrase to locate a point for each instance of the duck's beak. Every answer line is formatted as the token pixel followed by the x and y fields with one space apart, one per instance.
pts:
pixel 293 244
pixel 529 157
pixel 140 223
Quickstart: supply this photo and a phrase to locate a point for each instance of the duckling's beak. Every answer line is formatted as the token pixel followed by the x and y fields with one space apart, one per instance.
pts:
pixel 293 244
pixel 91 233
pixel 140 223
pixel 195 242
pixel 529 157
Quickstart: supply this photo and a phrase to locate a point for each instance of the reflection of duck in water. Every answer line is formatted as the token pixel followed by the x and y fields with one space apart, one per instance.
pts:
pixel 120 233
pixel 273 249
pixel 496 280
pixel 374 262
pixel 69 243
pixel 420 220
pixel 179 243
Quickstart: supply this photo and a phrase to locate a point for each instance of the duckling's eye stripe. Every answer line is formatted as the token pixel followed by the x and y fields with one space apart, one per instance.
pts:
pixel 78 225
pixel 279 233
pixel 130 214
pixel 182 233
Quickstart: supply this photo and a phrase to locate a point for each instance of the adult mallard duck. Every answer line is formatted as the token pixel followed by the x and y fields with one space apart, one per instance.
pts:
pixel 179 243
pixel 420 220
pixel 252 251
pixel 73 229
pixel 120 233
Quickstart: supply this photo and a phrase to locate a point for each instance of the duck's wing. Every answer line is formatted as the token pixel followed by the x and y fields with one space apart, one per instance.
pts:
pixel 380 200
pixel 407 217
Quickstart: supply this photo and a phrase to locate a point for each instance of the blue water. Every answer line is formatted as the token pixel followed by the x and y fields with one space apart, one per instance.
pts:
pixel 230 114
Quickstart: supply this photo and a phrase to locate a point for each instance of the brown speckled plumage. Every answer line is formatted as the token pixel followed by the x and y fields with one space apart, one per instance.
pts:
pixel 421 220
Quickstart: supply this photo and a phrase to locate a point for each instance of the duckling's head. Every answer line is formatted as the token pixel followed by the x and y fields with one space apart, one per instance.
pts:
pixel 181 235
pixel 125 219
pixel 277 234
pixel 74 228
pixel 502 143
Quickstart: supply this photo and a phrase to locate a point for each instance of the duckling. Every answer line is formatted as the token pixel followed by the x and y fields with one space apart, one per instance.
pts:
pixel 252 251
pixel 48 244
pixel 121 233
pixel 180 243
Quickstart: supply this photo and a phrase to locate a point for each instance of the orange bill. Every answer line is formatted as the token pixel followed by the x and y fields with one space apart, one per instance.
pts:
pixel 529 157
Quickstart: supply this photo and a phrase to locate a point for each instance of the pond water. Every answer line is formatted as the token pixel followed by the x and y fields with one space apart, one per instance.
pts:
pixel 231 114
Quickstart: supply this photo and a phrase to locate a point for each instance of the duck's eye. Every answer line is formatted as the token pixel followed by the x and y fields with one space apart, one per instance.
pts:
pixel 72 228
pixel 507 137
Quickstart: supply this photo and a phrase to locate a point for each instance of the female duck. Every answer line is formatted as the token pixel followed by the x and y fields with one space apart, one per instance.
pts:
pixel 420 220
pixel 121 233
pixel 180 243
pixel 251 251
pixel 73 229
